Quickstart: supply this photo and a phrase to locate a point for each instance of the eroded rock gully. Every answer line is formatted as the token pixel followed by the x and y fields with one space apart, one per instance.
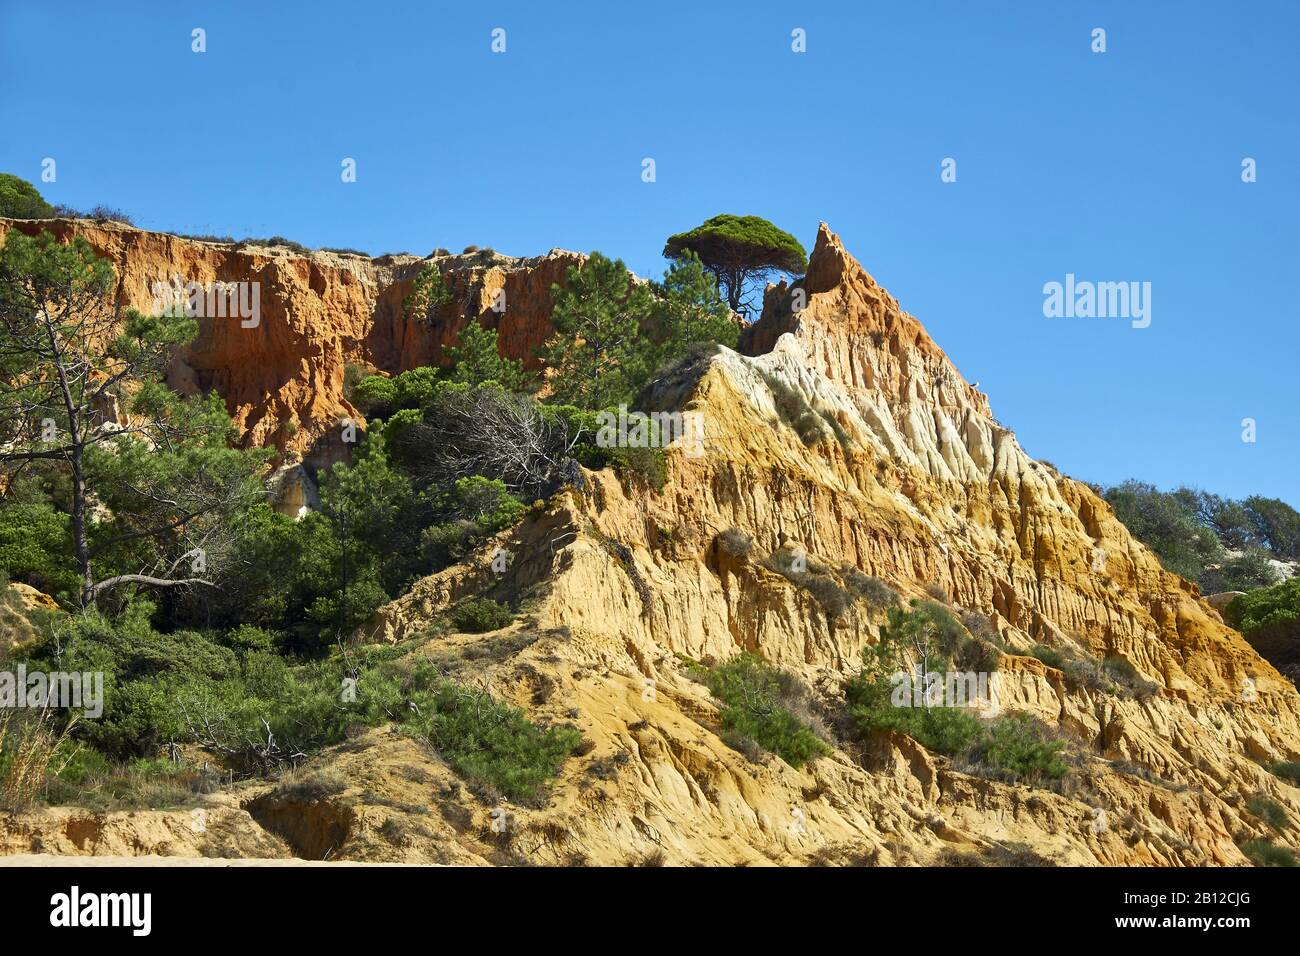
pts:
pixel 926 489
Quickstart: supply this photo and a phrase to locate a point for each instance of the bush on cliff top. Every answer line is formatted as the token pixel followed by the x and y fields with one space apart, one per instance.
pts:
pixel 1267 612
pixel 19 199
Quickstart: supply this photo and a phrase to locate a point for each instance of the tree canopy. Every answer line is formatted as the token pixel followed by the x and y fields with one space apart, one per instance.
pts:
pixel 741 251
pixel 19 199
pixel 594 354
pixel 614 332
pixel 1220 543
pixel 148 500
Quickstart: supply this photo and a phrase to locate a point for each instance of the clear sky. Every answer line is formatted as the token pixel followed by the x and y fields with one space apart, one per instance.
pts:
pixel 1115 166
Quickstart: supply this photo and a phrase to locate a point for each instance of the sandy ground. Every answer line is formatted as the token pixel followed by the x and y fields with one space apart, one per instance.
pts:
pixel 50 859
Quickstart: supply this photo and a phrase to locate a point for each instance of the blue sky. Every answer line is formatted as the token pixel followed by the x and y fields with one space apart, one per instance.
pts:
pixel 1118 166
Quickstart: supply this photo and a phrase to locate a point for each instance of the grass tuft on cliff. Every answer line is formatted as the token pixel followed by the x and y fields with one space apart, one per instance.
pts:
pixel 1265 853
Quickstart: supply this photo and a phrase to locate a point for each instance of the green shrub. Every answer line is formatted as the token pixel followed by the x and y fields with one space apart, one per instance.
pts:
pixel 647 467
pixel 19 199
pixel 1014 747
pixel 735 542
pixel 1019 747
pixel 446 543
pixel 923 630
pixel 487 503
pixel 490 743
pixel 411 389
pixel 244 704
pixel 1268 810
pixel 36 548
pixel 343 609
pixel 277 241
pixel 944 730
pixel 249 638
pixel 481 614
pixel 1264 853
pixel 948 633
pixel 256 712
pixel 372 393
pixel 1287 770
pixel 978 655
pixel 878 595
pixel 1272 611
pixel 766 705
pixel 1049 656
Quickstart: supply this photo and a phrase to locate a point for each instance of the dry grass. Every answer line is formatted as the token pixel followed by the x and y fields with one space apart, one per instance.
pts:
pixel 28 743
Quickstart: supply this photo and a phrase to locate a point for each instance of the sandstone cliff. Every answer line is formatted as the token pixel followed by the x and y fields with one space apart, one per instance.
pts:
pixel 927 489
pixel 282 380
pixel 913 482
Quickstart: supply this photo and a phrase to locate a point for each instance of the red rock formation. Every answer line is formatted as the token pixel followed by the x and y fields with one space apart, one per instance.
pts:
pixel 282 380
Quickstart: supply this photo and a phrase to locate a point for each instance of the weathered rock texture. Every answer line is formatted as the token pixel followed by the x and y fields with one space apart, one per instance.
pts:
pixel 282 380
pixel 927 489
pixel 915 483
pixel 20 607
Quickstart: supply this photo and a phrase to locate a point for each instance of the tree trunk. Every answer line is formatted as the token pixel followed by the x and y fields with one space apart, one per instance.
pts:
pixel 733 292
pixel 76 458
pixel 80 538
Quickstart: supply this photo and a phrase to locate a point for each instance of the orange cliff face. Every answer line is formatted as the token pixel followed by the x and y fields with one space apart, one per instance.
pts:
pixel 855 332
pixel 282 376
pixel 999 531
pixel 918 485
